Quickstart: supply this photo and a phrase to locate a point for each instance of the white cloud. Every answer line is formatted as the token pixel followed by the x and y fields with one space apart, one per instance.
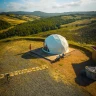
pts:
pixel 88 5
pixel 31 5
pixel 52 6
pixel 70 4
pixel 80 5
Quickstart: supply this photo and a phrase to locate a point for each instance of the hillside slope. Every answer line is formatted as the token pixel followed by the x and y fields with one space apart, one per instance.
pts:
pixel 82 33
pixel 36 26
pixel 74 28
pixel 88 33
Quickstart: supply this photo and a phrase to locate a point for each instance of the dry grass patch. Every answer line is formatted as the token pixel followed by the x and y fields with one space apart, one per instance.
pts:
pixel 54 81
pixel 12 21
pixel 70 71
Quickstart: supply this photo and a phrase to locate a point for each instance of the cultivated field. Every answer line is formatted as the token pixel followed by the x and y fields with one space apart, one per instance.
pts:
pixel 57 79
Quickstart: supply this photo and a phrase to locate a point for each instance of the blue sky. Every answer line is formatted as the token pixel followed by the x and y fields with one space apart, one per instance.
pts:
pixel 48 5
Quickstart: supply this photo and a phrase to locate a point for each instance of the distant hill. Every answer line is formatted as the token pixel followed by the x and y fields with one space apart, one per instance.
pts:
pixel 44 14
pixel 36 13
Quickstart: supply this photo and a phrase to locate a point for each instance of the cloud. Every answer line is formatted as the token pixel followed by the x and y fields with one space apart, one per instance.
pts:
pixel 80 5
pixel 70 4
pixel 88 5
pixel 51 5
pixel 31 5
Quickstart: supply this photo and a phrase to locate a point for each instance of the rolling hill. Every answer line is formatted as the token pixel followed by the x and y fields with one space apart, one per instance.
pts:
pixel 78 28
pixel 11 20
pixel 34 27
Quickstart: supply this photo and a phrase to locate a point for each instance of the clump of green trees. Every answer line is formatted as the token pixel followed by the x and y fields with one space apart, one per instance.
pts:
pixel 4 24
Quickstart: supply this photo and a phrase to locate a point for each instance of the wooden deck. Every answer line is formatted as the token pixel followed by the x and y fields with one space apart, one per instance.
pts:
pixel 49 57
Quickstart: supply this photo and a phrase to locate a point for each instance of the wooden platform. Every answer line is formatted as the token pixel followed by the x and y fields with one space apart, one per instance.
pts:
pixel 50 57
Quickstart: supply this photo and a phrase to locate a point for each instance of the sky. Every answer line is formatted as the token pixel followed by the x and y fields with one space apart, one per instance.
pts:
pixel 49 6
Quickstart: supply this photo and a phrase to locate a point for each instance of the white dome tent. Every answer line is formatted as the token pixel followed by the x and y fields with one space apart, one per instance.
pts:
pixel 55 44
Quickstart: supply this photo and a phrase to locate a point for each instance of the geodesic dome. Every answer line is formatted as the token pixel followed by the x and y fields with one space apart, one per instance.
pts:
pixel 55 44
